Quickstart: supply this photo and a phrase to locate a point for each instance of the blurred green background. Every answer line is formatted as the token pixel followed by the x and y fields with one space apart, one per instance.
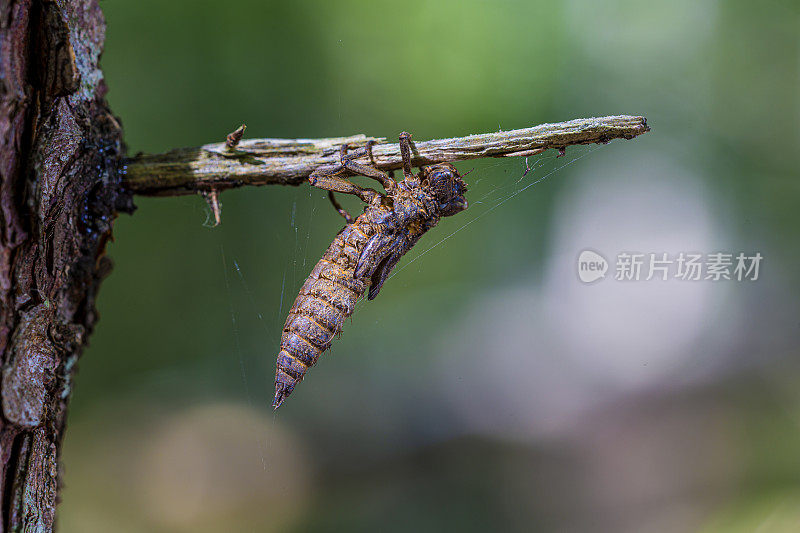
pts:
pixel 487 388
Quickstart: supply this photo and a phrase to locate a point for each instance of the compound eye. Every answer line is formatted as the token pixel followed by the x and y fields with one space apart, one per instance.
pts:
pixel 442 183
pixel 441 175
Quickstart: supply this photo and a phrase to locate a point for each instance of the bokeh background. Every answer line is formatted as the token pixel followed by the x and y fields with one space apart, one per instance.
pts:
pixel 487 388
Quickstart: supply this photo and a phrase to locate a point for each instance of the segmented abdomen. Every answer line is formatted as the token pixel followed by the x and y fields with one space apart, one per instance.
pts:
pixel 326 300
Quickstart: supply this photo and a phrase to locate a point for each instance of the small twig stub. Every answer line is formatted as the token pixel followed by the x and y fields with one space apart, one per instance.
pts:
pixel 234 137
pixel 212 199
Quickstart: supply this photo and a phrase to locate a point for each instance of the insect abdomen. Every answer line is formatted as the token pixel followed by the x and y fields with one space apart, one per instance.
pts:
pixel 326 300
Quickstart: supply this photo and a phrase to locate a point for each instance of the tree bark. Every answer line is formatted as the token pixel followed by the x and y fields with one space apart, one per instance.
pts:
pixel 59 191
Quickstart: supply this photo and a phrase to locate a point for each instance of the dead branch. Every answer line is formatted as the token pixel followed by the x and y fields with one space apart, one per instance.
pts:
pixel 221 166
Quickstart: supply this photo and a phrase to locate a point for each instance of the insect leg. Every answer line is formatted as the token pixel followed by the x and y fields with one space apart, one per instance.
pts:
pixel 363 170
pixel 339 209
pixel 405 153
pixel 329 180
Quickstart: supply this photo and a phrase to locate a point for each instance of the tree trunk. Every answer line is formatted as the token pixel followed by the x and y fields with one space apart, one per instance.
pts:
pixel 59 193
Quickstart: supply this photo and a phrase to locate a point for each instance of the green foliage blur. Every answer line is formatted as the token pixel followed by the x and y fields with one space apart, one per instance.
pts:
pixel 399 427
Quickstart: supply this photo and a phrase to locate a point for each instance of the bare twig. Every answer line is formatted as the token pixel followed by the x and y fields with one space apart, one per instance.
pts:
pixel 290 161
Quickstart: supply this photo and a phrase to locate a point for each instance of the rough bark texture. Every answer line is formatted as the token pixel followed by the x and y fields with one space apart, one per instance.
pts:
pixel 59 192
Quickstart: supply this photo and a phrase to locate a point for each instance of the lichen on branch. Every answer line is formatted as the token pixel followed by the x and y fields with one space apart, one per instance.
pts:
pixel 221 166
